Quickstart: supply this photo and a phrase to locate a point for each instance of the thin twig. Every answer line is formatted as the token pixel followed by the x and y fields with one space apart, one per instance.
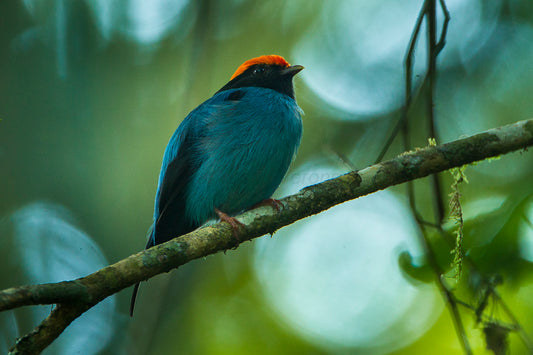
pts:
pixel 475 309
pixel 50 328
pixel 431 16
pixel 408 75
pixel 519 329
pixel 443 288
pixel 442 40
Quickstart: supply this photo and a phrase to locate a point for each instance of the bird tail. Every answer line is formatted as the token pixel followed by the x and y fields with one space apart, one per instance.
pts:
pixel 149 244
pixel 133 298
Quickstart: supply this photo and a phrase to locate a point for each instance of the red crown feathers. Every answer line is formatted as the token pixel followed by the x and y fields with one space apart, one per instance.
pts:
pixel 264 59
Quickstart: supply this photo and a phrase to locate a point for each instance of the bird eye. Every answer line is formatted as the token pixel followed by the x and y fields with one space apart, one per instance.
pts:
pixel 259 70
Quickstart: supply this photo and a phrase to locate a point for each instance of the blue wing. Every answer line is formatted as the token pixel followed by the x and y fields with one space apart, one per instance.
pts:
pixel 183 156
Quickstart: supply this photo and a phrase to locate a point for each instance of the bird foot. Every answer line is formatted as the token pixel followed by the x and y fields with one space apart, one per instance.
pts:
pixel 272 202
pixel 233 222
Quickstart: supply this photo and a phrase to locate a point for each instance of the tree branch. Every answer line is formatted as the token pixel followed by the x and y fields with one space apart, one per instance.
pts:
pixel 77 296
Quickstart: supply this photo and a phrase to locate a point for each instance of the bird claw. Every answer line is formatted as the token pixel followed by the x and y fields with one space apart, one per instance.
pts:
pixel 272 202
pixel 233 222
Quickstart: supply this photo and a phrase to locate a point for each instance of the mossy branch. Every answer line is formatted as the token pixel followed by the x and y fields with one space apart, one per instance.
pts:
pixel 75 297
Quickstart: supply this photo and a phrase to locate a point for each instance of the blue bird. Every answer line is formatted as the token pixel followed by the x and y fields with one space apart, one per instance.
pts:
pixel 230 153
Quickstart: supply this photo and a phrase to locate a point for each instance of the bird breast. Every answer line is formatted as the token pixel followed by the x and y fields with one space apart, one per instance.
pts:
pixel 246 149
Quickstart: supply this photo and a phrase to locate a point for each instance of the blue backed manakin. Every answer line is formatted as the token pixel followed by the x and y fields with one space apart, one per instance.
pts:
pixel 231 152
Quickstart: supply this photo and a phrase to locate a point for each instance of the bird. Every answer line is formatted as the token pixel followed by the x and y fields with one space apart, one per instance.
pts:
pixel 230 153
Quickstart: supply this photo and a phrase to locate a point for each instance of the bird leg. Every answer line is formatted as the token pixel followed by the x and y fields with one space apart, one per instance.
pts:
pixel 234 223
pixel 272 202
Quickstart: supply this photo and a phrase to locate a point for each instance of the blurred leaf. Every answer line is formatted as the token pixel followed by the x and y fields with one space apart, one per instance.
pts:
pixel 484 218
pixel 502 255
pixel 422 273
pixel 496 336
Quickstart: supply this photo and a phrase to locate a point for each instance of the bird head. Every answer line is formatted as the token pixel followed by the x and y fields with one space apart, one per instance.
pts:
pixel 268 71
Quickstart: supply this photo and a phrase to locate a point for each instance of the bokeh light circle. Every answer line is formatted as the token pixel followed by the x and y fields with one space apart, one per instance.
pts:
pixel 335 279
pixel 355 54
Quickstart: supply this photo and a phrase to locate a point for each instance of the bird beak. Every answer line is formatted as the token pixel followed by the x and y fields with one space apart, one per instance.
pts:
pixel 292 70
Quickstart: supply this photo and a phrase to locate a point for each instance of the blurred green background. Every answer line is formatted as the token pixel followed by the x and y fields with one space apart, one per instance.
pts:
pixel 91 91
